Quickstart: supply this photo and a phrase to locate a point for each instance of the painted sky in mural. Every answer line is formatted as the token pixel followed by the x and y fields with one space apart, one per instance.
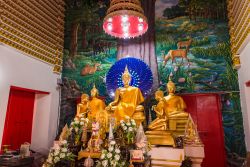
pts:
pixel 161 5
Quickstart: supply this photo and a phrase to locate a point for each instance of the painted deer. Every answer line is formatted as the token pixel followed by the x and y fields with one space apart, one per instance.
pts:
pixel 87 70
pixel 184 44
pixel 172 54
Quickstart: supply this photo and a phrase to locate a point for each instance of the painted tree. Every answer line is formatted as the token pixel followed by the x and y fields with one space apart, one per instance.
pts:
pixel 78 15
pixel 143 47
pixel 214 9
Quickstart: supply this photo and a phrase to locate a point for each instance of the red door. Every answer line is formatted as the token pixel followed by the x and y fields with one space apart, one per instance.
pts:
pixel 206 112
pixel 19 117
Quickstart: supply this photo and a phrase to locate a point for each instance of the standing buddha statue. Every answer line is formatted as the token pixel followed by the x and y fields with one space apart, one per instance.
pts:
pixel 127 101
pixel 96 105
pixel 97 112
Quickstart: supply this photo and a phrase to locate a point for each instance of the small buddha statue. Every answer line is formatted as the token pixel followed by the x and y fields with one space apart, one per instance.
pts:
pixel 83 106
pixel 96 105
pixel 175 104
pixel 160 123
pixel 127 101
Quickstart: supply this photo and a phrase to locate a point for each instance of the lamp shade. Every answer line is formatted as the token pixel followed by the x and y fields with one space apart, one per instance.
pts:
pixel 125 19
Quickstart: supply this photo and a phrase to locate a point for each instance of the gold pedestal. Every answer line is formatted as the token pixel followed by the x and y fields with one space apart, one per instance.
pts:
pixel 178 124
pixel 86 154
pixel 160 138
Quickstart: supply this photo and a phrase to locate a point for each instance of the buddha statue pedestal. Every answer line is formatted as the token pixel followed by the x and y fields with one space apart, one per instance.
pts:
pixel 177 125
pixel 86 154
pixel 166 156
pixel 160 138
pixel 195 153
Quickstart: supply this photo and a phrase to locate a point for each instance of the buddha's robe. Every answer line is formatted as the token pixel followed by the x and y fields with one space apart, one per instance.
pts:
pixel 128 99
pixel 175 106
pixel 82 108
pixel 96 105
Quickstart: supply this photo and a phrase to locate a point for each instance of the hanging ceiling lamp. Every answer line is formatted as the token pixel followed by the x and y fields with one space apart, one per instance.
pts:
pixel 125 19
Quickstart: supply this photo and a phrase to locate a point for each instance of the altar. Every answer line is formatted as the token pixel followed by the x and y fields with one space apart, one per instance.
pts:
pixel 166 156
pixel 113 134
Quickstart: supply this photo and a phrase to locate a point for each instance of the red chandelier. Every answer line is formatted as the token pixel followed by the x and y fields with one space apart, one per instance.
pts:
pixel 125 19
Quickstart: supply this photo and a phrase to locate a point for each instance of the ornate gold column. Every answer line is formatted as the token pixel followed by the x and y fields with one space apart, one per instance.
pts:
pixel 35 28
pixel 239 27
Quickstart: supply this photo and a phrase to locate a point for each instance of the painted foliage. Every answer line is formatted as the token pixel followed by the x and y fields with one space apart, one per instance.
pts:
pixel 88 53
pixel 192 45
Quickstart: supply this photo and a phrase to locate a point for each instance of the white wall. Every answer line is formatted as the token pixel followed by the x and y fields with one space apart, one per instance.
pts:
pixel 244 76
pixel 17 69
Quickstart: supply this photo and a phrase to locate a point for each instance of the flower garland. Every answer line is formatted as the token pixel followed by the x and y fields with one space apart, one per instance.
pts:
pixel 111 157
pixel 129 128
pixel 77 125
pixel 57 153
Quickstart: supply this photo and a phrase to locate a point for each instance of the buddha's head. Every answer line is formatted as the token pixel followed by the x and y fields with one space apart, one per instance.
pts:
pixel 171 87
pixel 84 98
pixel 126 77
pixel 159 95
pixel 94 92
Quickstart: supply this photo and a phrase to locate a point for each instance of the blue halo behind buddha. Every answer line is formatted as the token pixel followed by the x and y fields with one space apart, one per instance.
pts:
pixel 140 72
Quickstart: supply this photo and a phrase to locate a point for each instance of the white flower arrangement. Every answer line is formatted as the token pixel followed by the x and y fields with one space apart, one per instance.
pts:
pixel 111 157
pixel 78 123
pixel 129 128
pixel 57 153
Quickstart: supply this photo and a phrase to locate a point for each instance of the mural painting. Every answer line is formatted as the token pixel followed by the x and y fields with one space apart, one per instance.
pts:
pixel 191 45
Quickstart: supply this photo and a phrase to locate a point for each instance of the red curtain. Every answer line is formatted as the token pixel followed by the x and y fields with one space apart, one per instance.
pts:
pixel 205 110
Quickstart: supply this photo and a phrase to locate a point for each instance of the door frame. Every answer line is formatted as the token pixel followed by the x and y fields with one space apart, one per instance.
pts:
pixel 17 88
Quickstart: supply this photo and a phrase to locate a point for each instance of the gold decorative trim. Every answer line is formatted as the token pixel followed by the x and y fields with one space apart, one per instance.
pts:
pixel 166 160
pixel 35 28
pixel 239 26
pixel 236 62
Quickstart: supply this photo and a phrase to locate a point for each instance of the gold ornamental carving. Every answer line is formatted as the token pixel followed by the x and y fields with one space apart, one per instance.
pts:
pixel 35 28
pixel 239 24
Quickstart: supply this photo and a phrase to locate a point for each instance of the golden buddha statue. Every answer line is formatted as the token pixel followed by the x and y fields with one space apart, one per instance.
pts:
pixel 175 104
pixel 96 105
pixel 83 106
pixel 175 107
pixel 160 123
pixel 127 101
pixel 171 117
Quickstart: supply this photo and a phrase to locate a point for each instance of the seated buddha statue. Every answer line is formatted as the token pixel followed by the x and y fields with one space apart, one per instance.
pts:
pixel 175 106
pixel 83 106
pixel 96 105
pixel 170 112
pixel 127 101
